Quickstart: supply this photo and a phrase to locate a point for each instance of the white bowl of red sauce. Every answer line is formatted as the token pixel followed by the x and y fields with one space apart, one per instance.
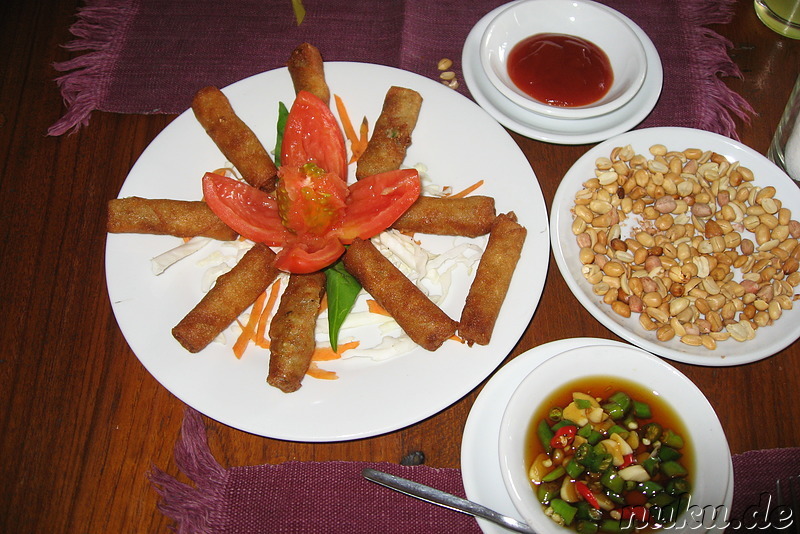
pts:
pixel 607 436
pixel 569 59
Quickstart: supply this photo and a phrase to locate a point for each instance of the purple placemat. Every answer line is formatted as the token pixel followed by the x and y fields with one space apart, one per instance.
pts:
pixel 151 56
pixel 311 497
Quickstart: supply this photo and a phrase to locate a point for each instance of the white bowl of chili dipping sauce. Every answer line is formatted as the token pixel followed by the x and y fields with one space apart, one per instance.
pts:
pixel 569 59
pixel 600 371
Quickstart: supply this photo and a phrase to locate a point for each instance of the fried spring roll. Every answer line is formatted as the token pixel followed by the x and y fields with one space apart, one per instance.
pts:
pixel 230 296
pixel 291 331
pixel 492 279
pixel 391 137
pixel 307 72
pixel 235 139
pixel 424 322
pixel 469 216
pixel 181 218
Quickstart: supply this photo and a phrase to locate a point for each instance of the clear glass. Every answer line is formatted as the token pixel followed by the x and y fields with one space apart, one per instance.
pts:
pixel 781 16
pixel 785 148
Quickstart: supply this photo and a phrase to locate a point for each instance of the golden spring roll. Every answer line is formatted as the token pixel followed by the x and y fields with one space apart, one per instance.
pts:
pixel 291 331
pixel 233 292
pixel 307 72
pixel 391 137
pixel 424 322
pixel 181 218
pixel 492 279
pixel 469 216
pixel 235 139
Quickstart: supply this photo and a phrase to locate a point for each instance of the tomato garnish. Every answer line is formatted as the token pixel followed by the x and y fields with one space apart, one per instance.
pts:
pixel 313 135
pixel 308 255
pixel 310 200
pixel 377 201
pixel 313 213
pixel 250 211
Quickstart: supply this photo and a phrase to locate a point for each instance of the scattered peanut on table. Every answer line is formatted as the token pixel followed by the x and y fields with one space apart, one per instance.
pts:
pixel 447 76
pixel 688 242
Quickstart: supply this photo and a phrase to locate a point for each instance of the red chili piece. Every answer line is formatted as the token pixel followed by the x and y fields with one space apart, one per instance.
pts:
pixel 587 494
pixel 563 436
pixel 626 461
pixel 640 513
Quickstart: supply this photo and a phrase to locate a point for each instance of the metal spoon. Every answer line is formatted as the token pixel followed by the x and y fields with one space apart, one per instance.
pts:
pixel 442 498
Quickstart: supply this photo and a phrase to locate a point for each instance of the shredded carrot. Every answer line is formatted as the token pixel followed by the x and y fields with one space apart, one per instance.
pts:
pixel 374 307
pixel 362 142
pixel 260 338
pixel 249 330
pixel 468 190
pixel 357 146
pixel 324 354
pixel 456 337
pixel 314 371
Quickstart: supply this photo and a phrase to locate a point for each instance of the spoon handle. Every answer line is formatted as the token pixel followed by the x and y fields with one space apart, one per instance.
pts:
pixel 447 500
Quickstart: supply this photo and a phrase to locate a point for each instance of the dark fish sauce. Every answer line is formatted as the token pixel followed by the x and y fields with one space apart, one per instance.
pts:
pixel 560 70
pixel 602 387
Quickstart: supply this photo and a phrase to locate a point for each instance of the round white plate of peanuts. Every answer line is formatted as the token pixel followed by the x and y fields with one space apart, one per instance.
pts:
pixel 684 243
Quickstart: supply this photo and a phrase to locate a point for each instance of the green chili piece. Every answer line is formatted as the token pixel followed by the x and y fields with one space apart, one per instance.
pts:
pixel 587 527
pixel 650 488
pixel 555 414
pixel 673 469
pixel 642 410
pixel 651 432
pixel 573 468
pixel 591 435
pixel 547 491
pixel 564 509
pixel 613 481
pixel 583 450
pixel 614 410
pixel 661 499
pixel 621 398
pixel 583 404
pixel 616 497
pixel 671 439
pixel 678 486
pixel 545 435
pixel 555 474
pixel 651 466
pixel 665 454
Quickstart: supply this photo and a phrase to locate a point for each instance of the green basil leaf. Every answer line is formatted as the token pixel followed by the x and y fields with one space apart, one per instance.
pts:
pixel 299 11
pixel 342 289
pixel 283 114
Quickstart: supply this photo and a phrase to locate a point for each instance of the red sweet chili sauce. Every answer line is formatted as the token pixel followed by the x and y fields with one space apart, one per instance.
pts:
pixel 560 70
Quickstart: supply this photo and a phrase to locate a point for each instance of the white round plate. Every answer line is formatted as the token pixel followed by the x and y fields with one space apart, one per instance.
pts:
pixel 768 341
pixel 554 130
pixel 459 143
pixel 480 460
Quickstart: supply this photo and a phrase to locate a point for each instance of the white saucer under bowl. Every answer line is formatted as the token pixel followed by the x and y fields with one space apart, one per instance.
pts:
pixel 552 130
pixel 480 465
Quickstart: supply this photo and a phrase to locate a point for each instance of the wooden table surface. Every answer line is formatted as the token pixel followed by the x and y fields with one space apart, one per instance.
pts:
pixel 83 422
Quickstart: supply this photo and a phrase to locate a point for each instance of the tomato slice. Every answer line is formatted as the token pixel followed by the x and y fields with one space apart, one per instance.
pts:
pixel 377 201
pixel 312 134
pixel 306 255
pixel 310 200
pixel 250 211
